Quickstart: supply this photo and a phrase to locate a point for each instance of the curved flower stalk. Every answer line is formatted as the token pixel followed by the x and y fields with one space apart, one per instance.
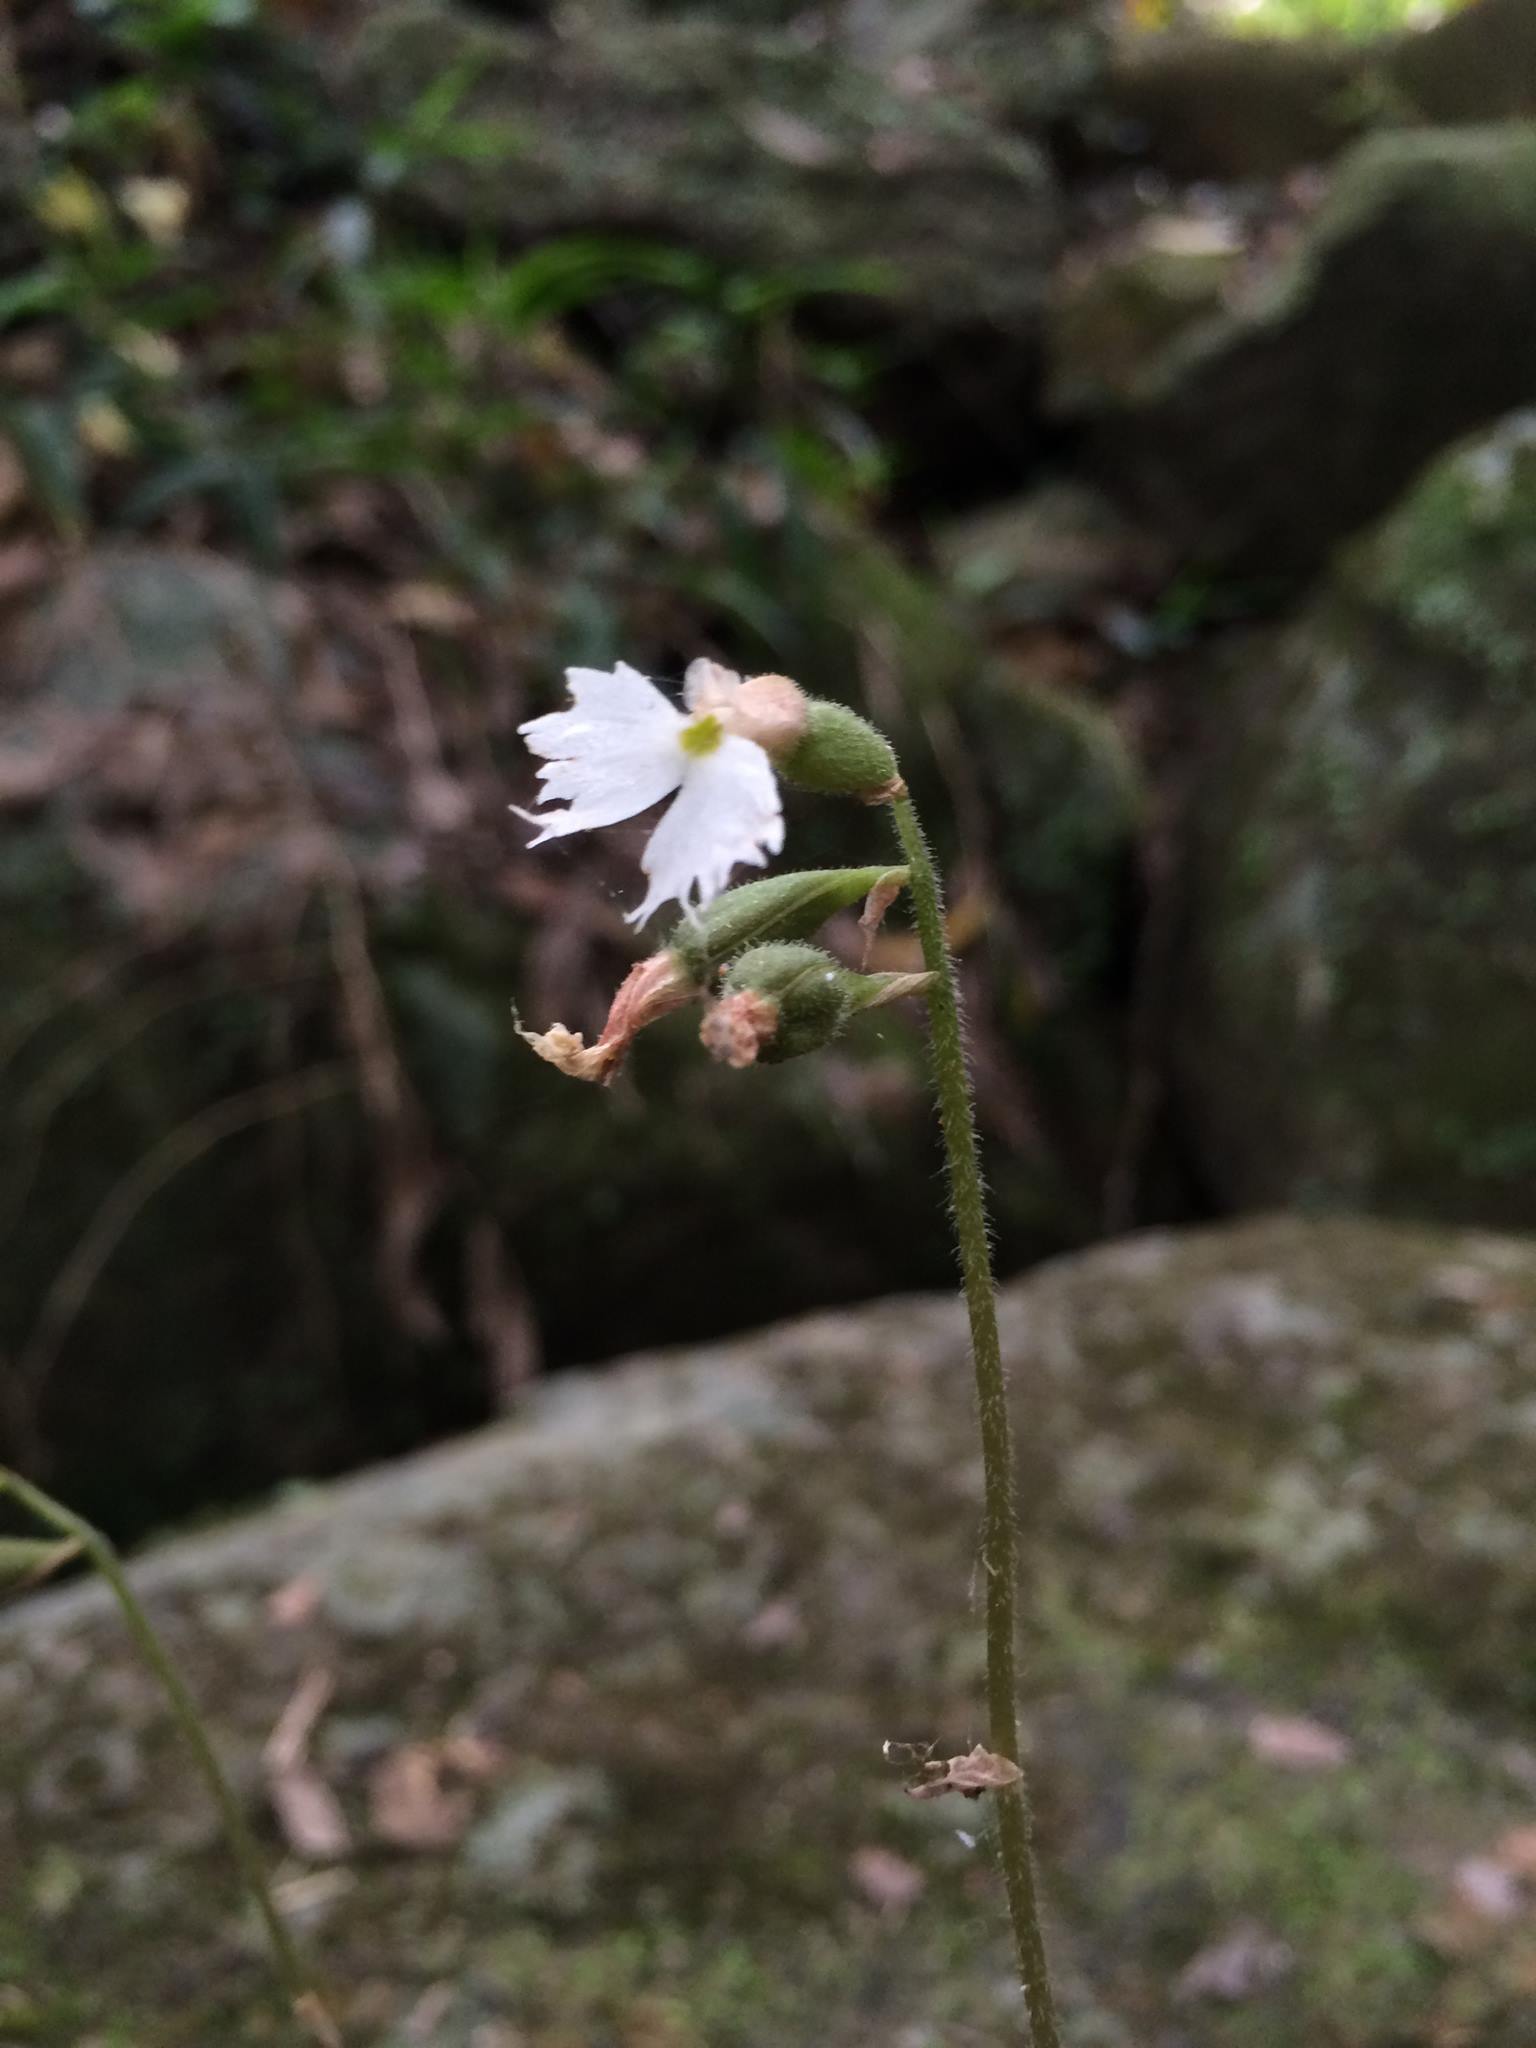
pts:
pixel 622 747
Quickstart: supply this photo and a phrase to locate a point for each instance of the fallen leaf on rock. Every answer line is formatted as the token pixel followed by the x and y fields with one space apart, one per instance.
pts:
pixel 428 2013
pixel 311 2013
pixel 1488 1888
pixel 1233 1969
pixel 777 1626
pixel 308 1899
pixel 307 1810
pixel 292 1604
pixel 1297 1743
pixel 309 1815
pixel 789 137
pixel 419 1797
pixel 885 1878
pixel 982 1770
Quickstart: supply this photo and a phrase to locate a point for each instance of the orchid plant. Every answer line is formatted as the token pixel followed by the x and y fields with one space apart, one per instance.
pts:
pixel 768 994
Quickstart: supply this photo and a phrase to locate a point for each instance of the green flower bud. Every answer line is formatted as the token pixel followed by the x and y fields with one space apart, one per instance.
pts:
pixel 780 1001
pixel 842 755
pixel 777 1002
pixel 759 913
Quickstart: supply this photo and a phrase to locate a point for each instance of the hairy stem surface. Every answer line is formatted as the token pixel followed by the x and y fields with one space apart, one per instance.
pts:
pixel 304 2001
pixel 999 1542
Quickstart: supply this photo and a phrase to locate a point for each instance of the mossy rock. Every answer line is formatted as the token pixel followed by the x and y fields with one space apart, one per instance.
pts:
pixel 1403 319
pixel 1477 64
pixel 1236 108
pixel 1116 311
pixel 640 127
pixel 1355 1011
pixel 670 1617
pixel 1233 107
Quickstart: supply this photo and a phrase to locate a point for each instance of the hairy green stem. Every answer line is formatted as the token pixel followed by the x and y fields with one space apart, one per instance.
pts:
pixel 999 1539
pixel 303 1999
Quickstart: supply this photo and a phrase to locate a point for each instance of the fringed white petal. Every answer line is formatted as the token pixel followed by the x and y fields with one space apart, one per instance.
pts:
pixel 614 753
pixel 727 815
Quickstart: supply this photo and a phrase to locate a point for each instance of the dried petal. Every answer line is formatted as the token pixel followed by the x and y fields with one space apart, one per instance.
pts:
pixel 738 1028
pixel 651 989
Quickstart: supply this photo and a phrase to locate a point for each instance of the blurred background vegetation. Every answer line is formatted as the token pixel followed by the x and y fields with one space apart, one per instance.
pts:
pixel 1064 384
pixel 1129 404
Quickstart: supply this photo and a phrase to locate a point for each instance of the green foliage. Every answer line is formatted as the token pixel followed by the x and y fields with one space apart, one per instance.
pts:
pixel 215 356
pixel 1361 19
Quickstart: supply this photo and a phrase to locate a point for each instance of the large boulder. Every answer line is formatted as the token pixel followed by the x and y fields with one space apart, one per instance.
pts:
pixel 1404 317
pixel 1357 989
pixel 586 1712
pixel 1224 107
pixel 1477 64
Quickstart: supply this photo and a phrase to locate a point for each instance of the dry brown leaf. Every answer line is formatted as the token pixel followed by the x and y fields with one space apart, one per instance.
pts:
pixel 1488 1888
pixel 1233 1969
pixel 419 1796
pixel 886 1879
pixel 309 1815
pixel 789 137
pixel 876 904
pixel 982 1770
pixel 294 1603
pixel 312 2014
pixel 1297 1743
pixel 307 1810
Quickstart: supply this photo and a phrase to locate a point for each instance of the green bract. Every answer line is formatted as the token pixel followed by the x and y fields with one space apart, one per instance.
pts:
pixel 783 907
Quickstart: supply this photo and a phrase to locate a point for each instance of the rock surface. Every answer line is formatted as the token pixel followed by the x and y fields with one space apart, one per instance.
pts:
pixel 1358 987
pixel 833 155
pixel 1404 318
pixel 641 1650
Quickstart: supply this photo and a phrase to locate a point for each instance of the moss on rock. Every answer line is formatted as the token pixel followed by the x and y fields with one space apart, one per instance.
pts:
pixel 1359 986
pixel 1270 1471
pixel 626 124
pixel 1404 318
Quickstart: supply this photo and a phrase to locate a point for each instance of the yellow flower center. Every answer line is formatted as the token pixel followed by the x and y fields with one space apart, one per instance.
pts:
pixel 701 736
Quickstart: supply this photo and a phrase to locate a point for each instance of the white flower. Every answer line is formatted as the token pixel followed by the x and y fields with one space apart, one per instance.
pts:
pixel 623 746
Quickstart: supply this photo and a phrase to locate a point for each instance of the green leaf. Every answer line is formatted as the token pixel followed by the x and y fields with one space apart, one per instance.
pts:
pixel 43 433
pixel 26 1560
pixel 784 907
